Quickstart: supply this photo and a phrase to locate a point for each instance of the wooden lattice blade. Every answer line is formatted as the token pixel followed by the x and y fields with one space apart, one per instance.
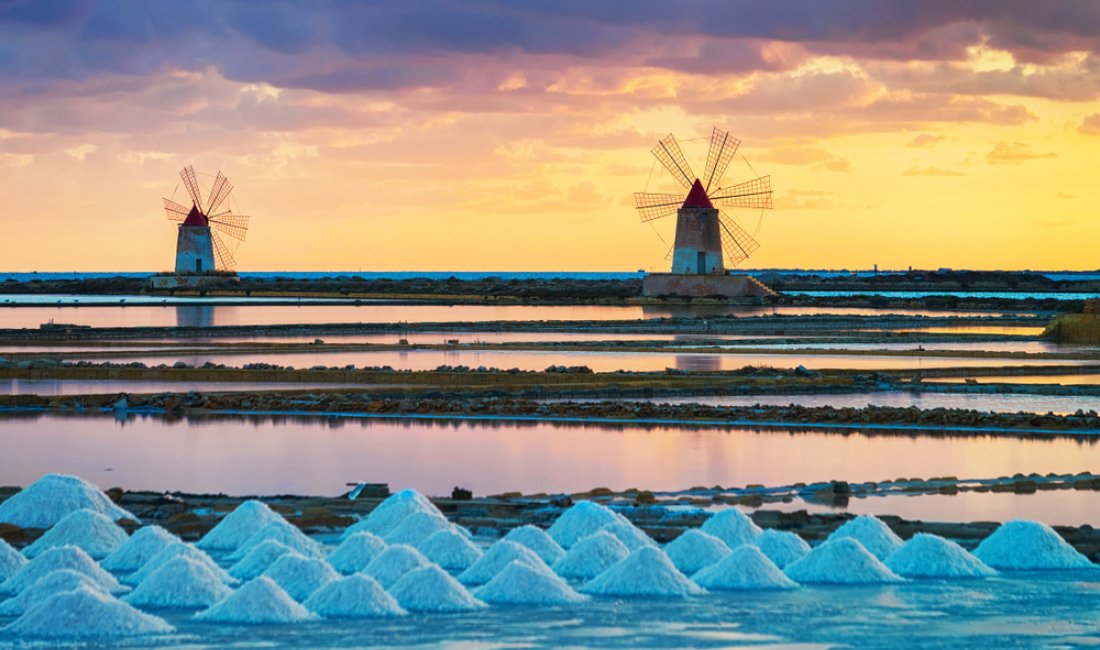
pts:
pixel 232 225
pixel 737 243
pixel 668 152
pixel 223 257
pixel 175 211
pixel 655 206
pixel 756 193
pixel 219 192
pixel 192 184
pixel 721 152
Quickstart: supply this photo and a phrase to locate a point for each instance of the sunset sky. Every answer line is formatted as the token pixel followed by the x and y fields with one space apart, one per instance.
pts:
pixel 484 135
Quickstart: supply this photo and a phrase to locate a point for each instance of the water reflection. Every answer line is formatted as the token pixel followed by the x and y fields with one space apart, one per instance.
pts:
pixel 196 315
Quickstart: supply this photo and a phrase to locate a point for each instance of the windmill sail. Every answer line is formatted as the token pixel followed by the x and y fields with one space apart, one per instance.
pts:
pixel 231 225
pixel 655 206
pixel 737 243
pixel 218 193
pixel 221 252
pixel 175 211
pixel 192 185
pixel 721 151
pixel 669 153
pixel 756 193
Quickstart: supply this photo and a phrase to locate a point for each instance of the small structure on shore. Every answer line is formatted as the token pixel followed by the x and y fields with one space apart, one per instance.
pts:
pixel 1080 329
pixel 708 241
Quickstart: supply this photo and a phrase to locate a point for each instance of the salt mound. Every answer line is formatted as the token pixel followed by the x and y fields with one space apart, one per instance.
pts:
pixel 580 521
pixel 53 497
pixel 257 601
pixel 732 527
pixel 591 556
pixel 782 547
pixel 235 528
pixel 86 529
pixel 356 596
pixel 49 586
pixel 391 512
pixel 283 531
pixel 139 548
pixel 1025 545
pixel 872 533
pixel 300 576
pixel 499 555
pixel 173 551
pixel 11 561
pixel 55 559
pixel 539 541
pixel 394 562
pixel 646 572
pixel 258 559
pixel 630 535
pixel 694 550
pixel 355 552
pixel 450 550
pixel 931 556
pixel 840 561
pixel 416 528
pixel 520 584
pixel 179 582
pixel 431 589
pixel 745 568
pixel 85 614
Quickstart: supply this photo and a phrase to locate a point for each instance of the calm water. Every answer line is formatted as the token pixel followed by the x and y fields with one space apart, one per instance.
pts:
pixel 907 295
pixel 1065 380
pixel 109 386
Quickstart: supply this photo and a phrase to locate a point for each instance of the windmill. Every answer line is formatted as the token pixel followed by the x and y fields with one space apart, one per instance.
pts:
pixel 199 246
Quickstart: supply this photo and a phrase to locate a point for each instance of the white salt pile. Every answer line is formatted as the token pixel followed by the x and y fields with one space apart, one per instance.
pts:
pixel 257 601
pixel 645 572
pixel 11 561
pixel 97 534
pixel 580 521
pixel 539 541
pixel 356 596
pixel 630 535
pixel 416 528
pixel 499 555
pixel 390 513
pixel 55 583
pixel 732 527
pixel 872 533
pixel 450 550
pixel 591 556
pixel 1026 545
pixel 258 559
pixel 394 562
pixel 745 568
pixel 300 576
pixel 55 559
pixel 85 614
pixel 695 550
pixel 139 548
pixel 235 528
pixel 53 497
pixel 173 551
pixel 931 556
pixel 355 552
pixel 179 582
pixel 782 547
pixel 521 584
pixel 431 589
pixel 840 561
pixel 283 531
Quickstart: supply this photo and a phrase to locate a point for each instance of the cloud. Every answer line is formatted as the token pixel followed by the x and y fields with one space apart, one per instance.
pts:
pixel 1090 124
pixel 917 170
pixel 925 140
pixel 1010 153
pixel 836 165
pixel 805 200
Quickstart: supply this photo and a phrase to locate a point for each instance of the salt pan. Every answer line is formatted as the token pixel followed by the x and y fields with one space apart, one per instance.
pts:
pixel 416 528
pixel 782 547
pixel 97 534
pixel 1027 545
pixel 591 556
pixel 11 561
pixel 538 540
pixel 283 531
pixel 257 601
pixel 645 572
pixel 872 533
pixel 85 614
pixel 521 584
pixel 745 568
pixel 177 550
pixel 300 576
pixel 258 559
pixel 732 527
pixel 48 586
pixel 580 521
pixel 431 589
pixel 931 556
pixel 53 497
pixel 389 514
pixel 66 557
pixel 450 550
pixel 499 555
pixel 245 521
pixel 630 535
pixel 840 561
pixel 394 562
pixel 139 548
pixel 694 550
pixel 356 596
pixel 355 552
pixel 179 582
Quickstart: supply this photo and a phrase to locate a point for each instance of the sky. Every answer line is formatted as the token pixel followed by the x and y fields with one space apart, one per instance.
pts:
pixel 503 135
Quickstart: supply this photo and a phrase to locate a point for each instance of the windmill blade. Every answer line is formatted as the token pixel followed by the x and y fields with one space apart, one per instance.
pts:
pixel 655 206
pixel 229 224
pixel 175 211
pixel 669 153
pixel 218 192
pixel 721 151
pixel 737 243
pixel 756 194
pixel 192 185
pixel 224 259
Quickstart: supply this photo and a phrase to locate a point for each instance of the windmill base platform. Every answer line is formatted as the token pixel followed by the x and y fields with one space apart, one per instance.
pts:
pixel 173 281
pixel 704 286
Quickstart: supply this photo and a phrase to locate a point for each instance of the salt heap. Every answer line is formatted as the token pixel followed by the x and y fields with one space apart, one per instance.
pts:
pixel 283 531
pixel 258 559
pixel 538 540
pixel 591 556
pixel 431 589
pixel 645 572
pixel 179 582
pixel 450 550
pixel 97 534
pixel 257 601
pixel 355 552
pixel 53 497
pixel 630 535
pixel 48 586
pixel 11 561
pixel 582 520
pixel 235 528
pixel 390 513
pixel 139 548
pixel 356 596
pixel 1025 545
pixel 416 528
pixel 694 550
pixel 177 550
pixel 872 533
pixel 782 547
pixel 522 584
pixel 499 555
pixel 300 576
pixel 840 561
pixel 55 559
pixel 732 527
pixel 745 568
pixel 931 556
pixel 85 614
pixel 389 565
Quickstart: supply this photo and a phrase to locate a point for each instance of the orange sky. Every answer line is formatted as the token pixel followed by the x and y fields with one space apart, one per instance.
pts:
pixel 953 138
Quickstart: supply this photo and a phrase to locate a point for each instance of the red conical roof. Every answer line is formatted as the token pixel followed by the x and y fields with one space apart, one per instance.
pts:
pixel 697 197
pixel 195 218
